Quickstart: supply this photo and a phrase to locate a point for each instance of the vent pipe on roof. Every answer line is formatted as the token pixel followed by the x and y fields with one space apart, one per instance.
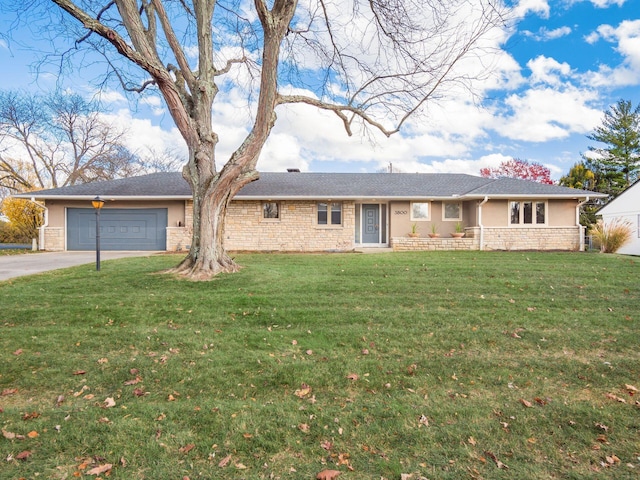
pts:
pixel 293 170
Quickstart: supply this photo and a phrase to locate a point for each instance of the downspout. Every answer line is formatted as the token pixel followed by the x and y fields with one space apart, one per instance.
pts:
pixel 45 223
pixel 486 199
pixel 578 223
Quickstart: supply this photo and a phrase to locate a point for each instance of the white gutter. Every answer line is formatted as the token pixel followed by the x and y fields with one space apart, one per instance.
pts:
pixel 486 199
pixel 578 223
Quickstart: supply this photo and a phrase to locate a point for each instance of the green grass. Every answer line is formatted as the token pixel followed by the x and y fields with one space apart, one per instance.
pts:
pixel 438 365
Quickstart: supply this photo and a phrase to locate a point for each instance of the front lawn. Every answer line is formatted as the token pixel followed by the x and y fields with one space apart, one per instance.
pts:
pixel 443 365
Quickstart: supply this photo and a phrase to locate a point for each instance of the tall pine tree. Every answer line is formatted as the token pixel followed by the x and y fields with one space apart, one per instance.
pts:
pixel 616 166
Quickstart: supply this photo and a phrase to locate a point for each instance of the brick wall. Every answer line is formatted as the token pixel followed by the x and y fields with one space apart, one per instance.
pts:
pixel 297 228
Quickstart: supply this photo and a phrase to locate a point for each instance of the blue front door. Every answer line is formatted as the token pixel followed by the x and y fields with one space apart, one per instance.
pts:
pixel 370 223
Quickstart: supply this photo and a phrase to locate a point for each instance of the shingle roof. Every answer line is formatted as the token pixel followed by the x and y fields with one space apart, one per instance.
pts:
pixel 324 185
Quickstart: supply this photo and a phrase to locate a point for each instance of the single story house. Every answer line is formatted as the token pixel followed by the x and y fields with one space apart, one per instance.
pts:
pixel 626 207
pixel 322 212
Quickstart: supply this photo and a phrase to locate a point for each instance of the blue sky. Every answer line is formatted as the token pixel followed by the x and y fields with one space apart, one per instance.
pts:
pixel 561 66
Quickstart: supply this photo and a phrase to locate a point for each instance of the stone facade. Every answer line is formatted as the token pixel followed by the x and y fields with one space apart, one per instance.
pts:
pixel 532 238
pixel 400 244
pixel 53 239
pixel 296 230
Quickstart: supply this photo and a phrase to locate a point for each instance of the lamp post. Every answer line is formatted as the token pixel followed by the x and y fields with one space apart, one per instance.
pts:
pixel 97 204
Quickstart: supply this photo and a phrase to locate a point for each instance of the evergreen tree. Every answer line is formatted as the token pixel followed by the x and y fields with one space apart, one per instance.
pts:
pixel 616 166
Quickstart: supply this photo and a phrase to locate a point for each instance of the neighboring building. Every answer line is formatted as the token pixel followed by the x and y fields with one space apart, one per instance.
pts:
pixel 625 207
pixel 322 212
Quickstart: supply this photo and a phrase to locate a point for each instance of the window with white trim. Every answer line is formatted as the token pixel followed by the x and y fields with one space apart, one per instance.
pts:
pixel 270 210
pixel 452 211
pixel 528 213
pixel 419 211
pixel 329 213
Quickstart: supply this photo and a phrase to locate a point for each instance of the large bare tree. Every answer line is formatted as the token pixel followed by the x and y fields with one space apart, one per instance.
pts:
pixel 373 63
pixel 57 140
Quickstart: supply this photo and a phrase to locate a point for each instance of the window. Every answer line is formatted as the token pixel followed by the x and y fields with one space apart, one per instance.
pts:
pixel 329 213
pixel 419 211
pixel 452 211
pixel 528 213
pixel 270 210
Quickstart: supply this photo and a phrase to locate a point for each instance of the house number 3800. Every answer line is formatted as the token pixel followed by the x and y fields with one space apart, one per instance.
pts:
pixel 400 212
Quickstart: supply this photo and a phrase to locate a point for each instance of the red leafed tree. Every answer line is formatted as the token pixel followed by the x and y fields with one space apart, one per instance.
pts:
pixel 523 169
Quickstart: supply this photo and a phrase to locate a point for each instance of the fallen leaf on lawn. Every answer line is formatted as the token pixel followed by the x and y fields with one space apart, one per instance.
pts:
pixel 365 351
pixel 602 426
pixel 612 459
pixel 526 403
pixel 240 466
pixel 294 342
pixel 541 401
pixel 531 309
pixel 616 398
pixel 309 352
pixel 406 476
pixel 247 436
pixel 499 464
pixel 187 448
pixel 327 445
pixel 103 420
pixel 79 372
pixel 133 381
pixel 171 398
pixel 32 434
pixel 29 416
pixel 423 420
pixel 18 352
pixel 631 388
pixel 109 402
pixel 328 474
pixel 303 391
pixel 59 400
pixel 99 469
pixel 102 361
pixel 303 427
pixel 225 461
pixel 8 435
pixel 353 376
pixel 24 455
pixel 9 391
pixel 472 441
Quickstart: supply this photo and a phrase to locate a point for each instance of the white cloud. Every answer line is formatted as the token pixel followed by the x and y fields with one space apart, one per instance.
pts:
pixel 544 114
pixel 547 70
pixel 110 97
pixel 627 73
pixel 543 34
pixel 539 7
pixel 607 3
pixel 142 135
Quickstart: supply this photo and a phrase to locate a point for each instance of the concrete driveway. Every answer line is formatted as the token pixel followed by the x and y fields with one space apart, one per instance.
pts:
pixel 12 266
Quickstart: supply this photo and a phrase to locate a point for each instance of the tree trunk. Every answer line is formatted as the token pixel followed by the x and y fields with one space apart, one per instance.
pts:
pixel 207 256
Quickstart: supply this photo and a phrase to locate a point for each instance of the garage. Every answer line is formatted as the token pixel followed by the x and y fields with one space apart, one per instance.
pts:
pixel 120 229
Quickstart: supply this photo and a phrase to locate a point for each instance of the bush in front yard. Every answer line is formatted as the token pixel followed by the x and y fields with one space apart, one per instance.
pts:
pixel 610 237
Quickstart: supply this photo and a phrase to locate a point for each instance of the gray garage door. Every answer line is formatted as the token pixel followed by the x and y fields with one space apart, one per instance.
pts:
pixel 120 229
